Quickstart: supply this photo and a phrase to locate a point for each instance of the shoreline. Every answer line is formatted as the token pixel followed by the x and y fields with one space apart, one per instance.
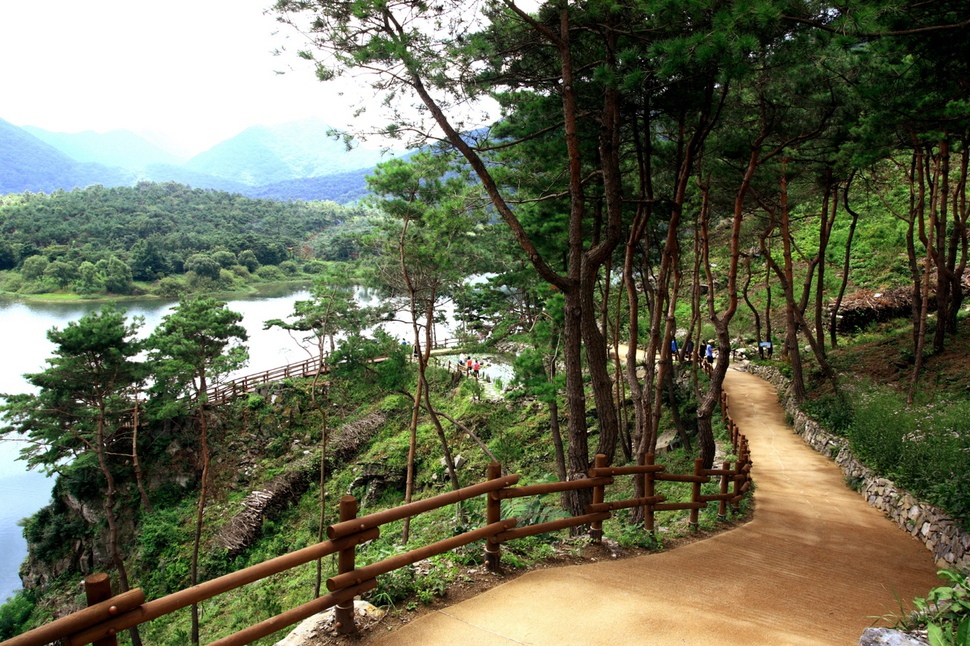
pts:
pixel 255 290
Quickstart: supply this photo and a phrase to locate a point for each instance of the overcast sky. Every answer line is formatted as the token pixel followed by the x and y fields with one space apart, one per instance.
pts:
pixel 194 71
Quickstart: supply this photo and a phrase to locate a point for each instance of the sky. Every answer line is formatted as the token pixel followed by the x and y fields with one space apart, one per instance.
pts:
pixel 193 72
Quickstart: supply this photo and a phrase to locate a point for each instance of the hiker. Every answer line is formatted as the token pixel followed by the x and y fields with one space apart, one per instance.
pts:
pixel 476 367
pixel 673 350
pixel 709 352
pixel 689 351
pixel 468 366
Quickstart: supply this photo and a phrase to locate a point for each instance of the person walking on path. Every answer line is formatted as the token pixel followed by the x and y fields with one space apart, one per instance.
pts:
pixel 689 351
pixel 814 567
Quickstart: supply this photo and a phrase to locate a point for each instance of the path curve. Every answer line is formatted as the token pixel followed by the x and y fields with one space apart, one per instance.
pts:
pixel 816 565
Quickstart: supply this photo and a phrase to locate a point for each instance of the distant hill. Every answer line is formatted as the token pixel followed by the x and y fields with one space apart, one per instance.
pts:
pixel 162 173
pixel 120 148
pixel 340 188
pixel 269 154
pixel 294 161
pixel 29 164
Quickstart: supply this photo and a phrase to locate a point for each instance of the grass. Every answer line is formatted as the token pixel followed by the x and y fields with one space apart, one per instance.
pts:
pixel 923 449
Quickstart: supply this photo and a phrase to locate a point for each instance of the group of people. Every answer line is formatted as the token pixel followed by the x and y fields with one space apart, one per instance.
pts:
pixel 688 351
pixel 470 365
pixel 709 352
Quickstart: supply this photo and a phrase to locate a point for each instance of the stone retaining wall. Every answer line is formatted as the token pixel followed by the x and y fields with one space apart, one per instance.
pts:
pixel 949 544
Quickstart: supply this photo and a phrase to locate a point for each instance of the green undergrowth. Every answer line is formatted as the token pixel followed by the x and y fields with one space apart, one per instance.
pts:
pixel 272 434
pixel 924 447
pixel 944 614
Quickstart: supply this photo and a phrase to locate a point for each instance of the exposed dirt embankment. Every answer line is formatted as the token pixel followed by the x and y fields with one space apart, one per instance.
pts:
pixel 262 504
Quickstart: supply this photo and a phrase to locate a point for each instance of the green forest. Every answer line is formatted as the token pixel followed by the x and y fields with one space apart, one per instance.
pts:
pixel 785 181
pixel 164 240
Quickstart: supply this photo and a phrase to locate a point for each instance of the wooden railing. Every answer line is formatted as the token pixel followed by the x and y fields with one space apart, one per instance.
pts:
pixel 101 621
pixel 222 393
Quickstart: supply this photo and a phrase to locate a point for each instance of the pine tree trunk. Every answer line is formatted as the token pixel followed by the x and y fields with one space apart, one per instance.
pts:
pixel 846 268
pixel 200 511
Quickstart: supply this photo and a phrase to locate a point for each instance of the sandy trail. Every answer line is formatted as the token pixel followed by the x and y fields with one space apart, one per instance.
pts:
pixel 816 565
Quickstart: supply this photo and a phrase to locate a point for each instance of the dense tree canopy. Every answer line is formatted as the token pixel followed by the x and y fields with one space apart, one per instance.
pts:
pixel 633 133
pixel 151 231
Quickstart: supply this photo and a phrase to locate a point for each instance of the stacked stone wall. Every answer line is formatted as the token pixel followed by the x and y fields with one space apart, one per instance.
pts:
pixel 929 524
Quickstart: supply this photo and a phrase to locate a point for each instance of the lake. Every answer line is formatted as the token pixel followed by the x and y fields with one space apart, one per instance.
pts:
pixel 25 348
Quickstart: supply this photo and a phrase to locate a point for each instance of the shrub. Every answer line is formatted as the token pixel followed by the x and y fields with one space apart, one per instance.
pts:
pixel 315 267
pixel 169 287
pixel 34 267
pixel 226 259
pixel 226 279
pixel 15 613
pixel 203 265
pixel 834 412
pixel 36 287
pixel 248 260
pixel 10 282
pixel 162 535
pixel 270 273
pixel 923 449
pixel 52 531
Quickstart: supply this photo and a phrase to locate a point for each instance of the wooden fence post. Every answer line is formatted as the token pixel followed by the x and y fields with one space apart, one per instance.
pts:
pixel 738 474
pixel 97 588
pixel 649 491
pixel 493 514
pixel 696 493
pixel 599 495
pixel 722 504
pixel 344 612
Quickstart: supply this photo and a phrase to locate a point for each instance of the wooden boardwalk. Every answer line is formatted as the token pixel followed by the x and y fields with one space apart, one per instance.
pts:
pixel 222 393
pixel 225 392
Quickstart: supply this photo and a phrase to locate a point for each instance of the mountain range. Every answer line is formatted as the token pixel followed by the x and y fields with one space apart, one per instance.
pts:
pixel 297 160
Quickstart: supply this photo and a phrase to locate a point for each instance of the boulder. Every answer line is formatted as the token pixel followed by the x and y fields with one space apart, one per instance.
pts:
pixel 310 630
pixel 888 637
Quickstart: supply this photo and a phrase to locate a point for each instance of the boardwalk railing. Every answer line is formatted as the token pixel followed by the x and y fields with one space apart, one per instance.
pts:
pixel 222 393
pixel 107 615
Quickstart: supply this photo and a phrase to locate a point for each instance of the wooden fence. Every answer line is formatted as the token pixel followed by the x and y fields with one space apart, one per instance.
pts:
pixel 107 615
pixel 223 393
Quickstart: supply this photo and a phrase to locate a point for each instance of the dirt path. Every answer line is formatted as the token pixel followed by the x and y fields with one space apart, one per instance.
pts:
pixel 815 566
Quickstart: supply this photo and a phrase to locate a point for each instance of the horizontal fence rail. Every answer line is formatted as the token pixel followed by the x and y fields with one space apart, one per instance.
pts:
pixel 100 622
pixel 224 392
